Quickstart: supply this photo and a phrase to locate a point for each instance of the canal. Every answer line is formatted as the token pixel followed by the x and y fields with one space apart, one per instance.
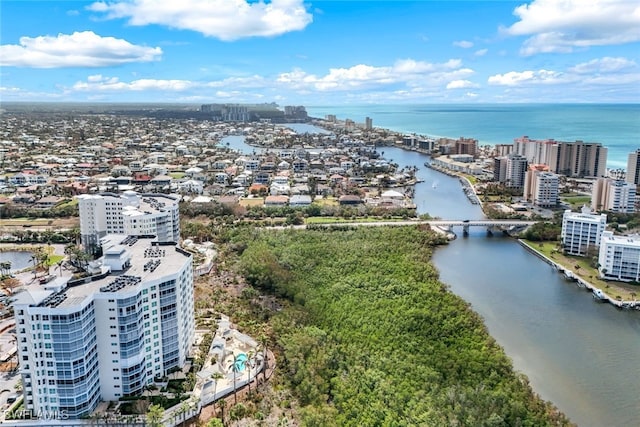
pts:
pixel 577 353
pixel 580 354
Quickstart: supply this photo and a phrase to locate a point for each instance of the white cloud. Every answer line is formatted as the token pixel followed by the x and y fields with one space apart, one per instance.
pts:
pixel 100 83
pixel 481 52
pixel 80 49
pixel 465 44
pixel 617 72
pixel 223 19
pixel 564 25
pixel 604 65
pixel 471 94
pixel 460 84
pixel 515 78
pixel 407 72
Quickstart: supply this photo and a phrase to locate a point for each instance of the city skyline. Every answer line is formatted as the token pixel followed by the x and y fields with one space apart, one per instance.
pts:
pixel 320 53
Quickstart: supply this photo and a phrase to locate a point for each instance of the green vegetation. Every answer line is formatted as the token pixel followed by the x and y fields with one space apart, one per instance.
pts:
pixel 543 231
pixel 587 269
pixel 369 336
pixel 576 200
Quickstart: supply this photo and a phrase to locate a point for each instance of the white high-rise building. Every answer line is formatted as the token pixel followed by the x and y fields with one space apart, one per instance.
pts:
pixel 515 170
pixel 619 257
pixel 129 213
pixel 545 189
pixel 581 231
pixel 80 343
pixel 633 168
pixel 613 195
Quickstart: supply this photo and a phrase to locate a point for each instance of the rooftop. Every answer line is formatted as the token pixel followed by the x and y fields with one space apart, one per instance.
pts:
pixel 150 261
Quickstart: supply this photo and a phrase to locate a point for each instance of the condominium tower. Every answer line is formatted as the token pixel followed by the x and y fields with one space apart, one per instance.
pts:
pixel 619 257
pixel 573 159
pixel 541 186
pixel 633 168
pixel 81 341
pixel 581 231
pixel 129 213
pixel 613 195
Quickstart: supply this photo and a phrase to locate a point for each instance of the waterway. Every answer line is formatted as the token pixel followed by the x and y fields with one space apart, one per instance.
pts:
pixel 580 354
pixel 18 259
pixel 577 353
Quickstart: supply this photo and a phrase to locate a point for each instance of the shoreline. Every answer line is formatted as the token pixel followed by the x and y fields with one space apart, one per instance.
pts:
pixel 625 304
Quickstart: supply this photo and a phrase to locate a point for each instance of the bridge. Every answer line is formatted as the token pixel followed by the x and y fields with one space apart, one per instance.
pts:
pixel 447 224
pixel 490 224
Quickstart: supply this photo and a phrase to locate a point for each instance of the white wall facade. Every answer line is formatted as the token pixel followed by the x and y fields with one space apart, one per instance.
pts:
pixel 582 231
pixel 619 257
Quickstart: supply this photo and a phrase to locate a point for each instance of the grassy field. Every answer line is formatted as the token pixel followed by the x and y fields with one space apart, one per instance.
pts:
pixel 256 201
pixel 54 223
pixel 576 200
pixel 581 267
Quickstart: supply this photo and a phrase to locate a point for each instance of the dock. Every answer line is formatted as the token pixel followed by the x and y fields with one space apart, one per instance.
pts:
pixel 598 294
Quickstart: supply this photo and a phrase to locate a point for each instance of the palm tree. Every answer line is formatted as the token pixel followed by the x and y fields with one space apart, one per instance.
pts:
pixel 234 368
pixel 216 376
pixel 154 416
pixel 250 355
pixel 264 340
pixel 183 412
pixel 223 404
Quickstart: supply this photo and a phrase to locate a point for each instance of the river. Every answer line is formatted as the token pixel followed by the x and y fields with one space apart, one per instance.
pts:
pixel 579 354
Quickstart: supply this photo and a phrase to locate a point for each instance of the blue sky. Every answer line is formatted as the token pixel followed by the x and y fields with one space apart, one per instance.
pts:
pixel 320 52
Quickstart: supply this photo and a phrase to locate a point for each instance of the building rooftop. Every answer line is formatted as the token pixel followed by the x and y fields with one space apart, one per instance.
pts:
pixel 150 261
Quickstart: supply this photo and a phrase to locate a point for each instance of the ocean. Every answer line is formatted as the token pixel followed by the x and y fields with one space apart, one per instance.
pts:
pixel 615 126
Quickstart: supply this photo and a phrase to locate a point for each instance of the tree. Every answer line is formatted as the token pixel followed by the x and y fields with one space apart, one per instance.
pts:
pixel 215 422
pixel 250 357
pixel 154 416
pixel 216 376
pixel 223 404
pixel 235 367
pixel 183 412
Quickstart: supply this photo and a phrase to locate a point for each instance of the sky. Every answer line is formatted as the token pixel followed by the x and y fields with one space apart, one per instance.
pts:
pixel 296 52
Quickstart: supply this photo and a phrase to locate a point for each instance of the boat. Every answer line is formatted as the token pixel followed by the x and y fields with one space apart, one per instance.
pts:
pixel 435 184
pixel 599 295
pixel 569 275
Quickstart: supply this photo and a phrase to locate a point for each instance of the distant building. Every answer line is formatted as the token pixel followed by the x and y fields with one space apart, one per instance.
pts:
pixel 368 123
pixel 516 168
pixel 619 257
pixel 613 195
pixel 297 112
pixel 534 150
pixel 633 168
pixel 576 159
pixel 331 118
pixel 128 213
pixel 501 150
pixel 109 338
pixel 541 186
pixel 582 231
pixel 466 146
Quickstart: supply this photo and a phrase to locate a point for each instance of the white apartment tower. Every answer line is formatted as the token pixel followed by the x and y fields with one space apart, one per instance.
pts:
pixel 578 159
pixel 534 150
pixel 515 171
pixel 613 195
pixel 573 159
pixel 541 188
pixel 619 257
pixel 81 342
pixel 581 231
pixel 129 213
pixel 633 168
